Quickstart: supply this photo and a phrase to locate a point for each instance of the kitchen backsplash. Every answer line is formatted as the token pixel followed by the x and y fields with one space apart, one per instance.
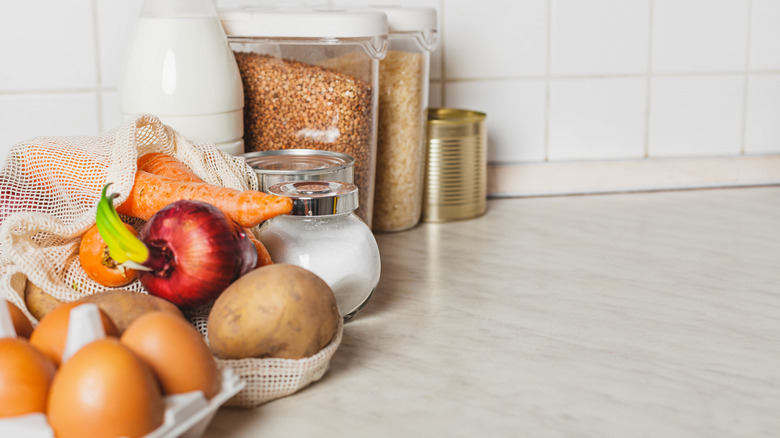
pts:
pixel 579 91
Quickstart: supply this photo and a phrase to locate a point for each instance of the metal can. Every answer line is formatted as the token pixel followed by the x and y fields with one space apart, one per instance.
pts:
pixel 456 171
pixel 277 166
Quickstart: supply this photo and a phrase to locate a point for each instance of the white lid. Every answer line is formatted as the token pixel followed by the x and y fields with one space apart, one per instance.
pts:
pixel 408 19
pixel 303 22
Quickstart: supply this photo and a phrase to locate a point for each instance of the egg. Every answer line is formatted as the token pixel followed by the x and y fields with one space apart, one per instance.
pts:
pixel 52 331
pixel 176 352
pixel 22 325
pixel 104 390
pixel 25 377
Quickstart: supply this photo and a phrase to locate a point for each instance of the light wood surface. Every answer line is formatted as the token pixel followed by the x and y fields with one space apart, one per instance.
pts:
pixel 645 314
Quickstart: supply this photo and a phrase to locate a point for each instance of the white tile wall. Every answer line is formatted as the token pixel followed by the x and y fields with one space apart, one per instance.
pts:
pixel 581 46
pixel 30 115
pixel 765 35
pixel 700 35
pixel 516 123
pixel 763 115
pixel 494 38
pixel 695 116
pixel 597 119
pixel 560 80
pixel 46 51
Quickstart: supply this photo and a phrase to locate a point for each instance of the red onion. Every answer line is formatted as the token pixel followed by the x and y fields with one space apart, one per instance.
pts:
pixel 187 253
pixel 195 252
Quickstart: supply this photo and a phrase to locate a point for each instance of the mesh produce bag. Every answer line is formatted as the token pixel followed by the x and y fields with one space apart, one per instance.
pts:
pixel 49 190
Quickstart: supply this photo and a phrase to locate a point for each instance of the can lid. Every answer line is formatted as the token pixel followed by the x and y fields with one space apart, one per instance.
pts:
pixel 318 198
pixel 297 161
pixel 303 22
pixel 447 116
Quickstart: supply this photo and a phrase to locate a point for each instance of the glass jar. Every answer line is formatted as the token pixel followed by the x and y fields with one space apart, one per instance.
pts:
pixel 310 80
pixel 323 235
pixel 403 100
pixel 180 68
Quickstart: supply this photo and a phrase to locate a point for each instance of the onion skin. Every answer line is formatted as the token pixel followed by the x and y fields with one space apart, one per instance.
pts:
pixel 195 252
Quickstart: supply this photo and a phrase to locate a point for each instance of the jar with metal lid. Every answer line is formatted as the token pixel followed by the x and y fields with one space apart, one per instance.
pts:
pixel 323 235
pixel 403 99
pixel 310 81
pixel 273 167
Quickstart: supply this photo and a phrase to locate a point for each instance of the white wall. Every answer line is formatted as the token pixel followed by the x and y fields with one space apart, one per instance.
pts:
pixel 562 81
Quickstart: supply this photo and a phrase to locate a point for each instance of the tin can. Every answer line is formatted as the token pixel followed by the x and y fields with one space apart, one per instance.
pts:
pixel 277 166
pixel 456 169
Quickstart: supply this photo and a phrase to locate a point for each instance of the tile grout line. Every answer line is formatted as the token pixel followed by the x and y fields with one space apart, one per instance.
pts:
pixel 442 61
pixel 98 76
pixel 565 77
pixel 649 78
pixel 547 82
pixel 746 80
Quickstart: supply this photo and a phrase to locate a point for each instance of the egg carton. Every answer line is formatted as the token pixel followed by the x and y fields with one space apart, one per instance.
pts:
pixel 187 415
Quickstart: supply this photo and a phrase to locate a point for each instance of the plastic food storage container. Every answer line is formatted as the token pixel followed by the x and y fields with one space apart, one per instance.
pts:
pixel 180 68
pixel 273 167
pixel 310 80
pixel 403 99
pixel 323 235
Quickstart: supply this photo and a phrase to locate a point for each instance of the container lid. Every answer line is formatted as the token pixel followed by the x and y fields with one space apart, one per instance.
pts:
pixel 318 198
pixel 303 22
pixel 408 19
pixel 297 161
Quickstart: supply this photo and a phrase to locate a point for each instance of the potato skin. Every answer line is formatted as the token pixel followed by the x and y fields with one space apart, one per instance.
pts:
pixel 280 310
pixel 38 302
pixel 125 306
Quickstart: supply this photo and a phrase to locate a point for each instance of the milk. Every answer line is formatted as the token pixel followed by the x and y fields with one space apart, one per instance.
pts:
pixel 183 71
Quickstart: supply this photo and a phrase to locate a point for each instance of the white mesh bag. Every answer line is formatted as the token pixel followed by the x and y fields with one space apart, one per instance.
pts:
pixel 49 189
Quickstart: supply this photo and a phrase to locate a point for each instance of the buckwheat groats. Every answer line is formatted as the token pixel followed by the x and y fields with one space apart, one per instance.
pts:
pixel 294 105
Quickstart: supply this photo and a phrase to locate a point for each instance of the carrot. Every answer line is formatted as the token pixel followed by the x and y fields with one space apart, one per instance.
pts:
pixel 165 165
pixel 249 208
pixel 263 257
pixel 82 172
pixel 158 163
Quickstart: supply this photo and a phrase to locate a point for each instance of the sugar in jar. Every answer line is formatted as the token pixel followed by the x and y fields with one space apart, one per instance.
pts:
pixel 324 235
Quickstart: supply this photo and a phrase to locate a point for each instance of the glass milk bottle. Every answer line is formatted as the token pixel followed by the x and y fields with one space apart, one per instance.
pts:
pixel 324 235
pixel 180 68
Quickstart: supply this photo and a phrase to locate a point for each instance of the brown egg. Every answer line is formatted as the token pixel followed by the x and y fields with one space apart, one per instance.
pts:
pixel 52 331
pixel 175 350
pixel 22 325
pixel 25 376
pixel 104 390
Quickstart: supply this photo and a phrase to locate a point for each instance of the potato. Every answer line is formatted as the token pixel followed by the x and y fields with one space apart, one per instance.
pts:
pixel 124 306
pixel 38 302
pixel 278 310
